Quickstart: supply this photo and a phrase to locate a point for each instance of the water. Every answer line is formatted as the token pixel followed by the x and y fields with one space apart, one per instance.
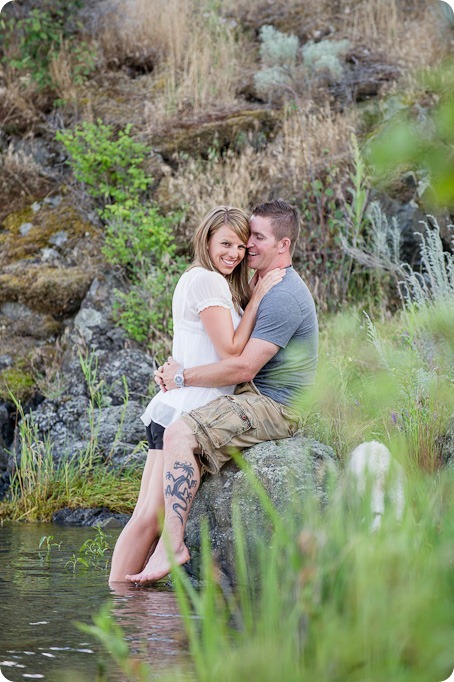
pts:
pixel 40 599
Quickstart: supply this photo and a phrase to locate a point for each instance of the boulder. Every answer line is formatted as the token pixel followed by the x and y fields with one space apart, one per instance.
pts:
pixel 220 130
pixel 75 428
pixel 290 470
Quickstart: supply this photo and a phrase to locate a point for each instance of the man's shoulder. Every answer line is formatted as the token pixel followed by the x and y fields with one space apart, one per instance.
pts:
pixel 292 290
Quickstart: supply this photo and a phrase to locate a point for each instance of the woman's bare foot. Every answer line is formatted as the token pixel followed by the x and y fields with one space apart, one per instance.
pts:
pixel 159 564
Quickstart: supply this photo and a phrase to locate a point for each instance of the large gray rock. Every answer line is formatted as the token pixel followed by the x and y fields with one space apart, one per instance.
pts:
pixel 73 428
pixel 290 470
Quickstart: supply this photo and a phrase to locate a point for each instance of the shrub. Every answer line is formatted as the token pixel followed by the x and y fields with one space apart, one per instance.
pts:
pixel 281 68
pixel 31 41
pixel 324 57
pixel 420 140
pixel 108 166
pixel 278 49
pixel 138 237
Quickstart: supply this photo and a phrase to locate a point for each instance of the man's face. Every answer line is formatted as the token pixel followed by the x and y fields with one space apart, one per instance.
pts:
pixel 262 246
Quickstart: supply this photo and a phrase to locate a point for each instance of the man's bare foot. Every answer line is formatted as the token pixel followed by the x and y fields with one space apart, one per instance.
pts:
pixel 159 564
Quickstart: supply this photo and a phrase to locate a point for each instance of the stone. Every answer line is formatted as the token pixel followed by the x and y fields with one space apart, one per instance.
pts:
pixel 96 516
pixel 289 470
pixel 223 129
pixel 74 427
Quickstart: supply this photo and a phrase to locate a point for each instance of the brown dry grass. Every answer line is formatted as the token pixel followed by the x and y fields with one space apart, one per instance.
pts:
pixel 150 30
pixel 311 140
pixel 195 56
pixel 20 176
pixel 405 31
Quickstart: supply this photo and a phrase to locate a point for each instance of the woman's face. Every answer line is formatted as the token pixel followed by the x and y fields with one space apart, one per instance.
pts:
pixel 226 250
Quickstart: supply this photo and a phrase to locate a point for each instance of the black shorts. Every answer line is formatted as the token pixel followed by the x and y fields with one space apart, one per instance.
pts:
pixel 155 436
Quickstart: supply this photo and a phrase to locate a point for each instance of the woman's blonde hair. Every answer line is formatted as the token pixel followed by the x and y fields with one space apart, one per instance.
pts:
pixel 237 220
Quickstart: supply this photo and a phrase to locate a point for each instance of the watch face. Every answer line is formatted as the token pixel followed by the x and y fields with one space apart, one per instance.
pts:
pixel 179 379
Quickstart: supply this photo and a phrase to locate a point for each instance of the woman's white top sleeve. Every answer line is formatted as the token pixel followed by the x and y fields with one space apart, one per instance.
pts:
pixel 196 290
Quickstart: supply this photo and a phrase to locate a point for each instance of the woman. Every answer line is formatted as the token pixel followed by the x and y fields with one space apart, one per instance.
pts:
pixel 208 325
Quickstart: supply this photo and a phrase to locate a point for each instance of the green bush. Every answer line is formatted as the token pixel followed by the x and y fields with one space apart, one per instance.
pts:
pixel 421 139
pixel 281 68
pixel 277 49
pixel 138 237
pixel 31 41
pixel 108 165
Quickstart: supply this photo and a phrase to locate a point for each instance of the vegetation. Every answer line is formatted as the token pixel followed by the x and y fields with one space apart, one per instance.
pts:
pixel 324 599
pixel 424 143
pixel 287 67
pixel 332 601
pixel 32 42
pixel 138 237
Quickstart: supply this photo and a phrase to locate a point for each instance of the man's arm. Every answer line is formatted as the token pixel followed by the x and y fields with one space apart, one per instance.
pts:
pixel 225 372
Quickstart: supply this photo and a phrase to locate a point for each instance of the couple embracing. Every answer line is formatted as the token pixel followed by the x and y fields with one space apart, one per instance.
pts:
pixel 241 351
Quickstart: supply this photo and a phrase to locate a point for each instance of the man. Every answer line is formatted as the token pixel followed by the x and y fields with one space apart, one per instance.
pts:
pixel 281 358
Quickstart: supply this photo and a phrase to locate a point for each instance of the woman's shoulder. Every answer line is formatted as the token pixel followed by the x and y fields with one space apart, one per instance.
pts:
pixel 204 276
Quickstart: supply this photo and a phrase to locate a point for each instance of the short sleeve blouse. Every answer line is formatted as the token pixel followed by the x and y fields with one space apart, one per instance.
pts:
pixel 196 290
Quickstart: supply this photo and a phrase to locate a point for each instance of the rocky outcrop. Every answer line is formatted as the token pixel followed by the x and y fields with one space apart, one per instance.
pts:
pixel 220 130
pixel 291 471
pixel 49 255
pixel 107 383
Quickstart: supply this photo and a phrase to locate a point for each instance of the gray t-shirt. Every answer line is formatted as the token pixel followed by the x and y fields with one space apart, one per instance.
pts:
pixel 287 318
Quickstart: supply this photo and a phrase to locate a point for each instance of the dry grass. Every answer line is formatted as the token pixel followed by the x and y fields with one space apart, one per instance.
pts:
pixel 20 176
pixel 147 30
pixel 408 32
pixel 61 70
pixel 310 141
pixel 195 56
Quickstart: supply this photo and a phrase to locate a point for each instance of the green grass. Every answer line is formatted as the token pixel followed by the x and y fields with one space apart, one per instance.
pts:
pixel 325 599
pixel 390 381
pixel 41 485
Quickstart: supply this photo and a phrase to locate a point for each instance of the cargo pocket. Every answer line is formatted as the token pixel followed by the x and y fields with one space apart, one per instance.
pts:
pixel 293 419
pixel 234 420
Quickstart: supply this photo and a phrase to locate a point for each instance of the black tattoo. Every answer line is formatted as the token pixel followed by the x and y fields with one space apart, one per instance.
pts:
pixel 181 487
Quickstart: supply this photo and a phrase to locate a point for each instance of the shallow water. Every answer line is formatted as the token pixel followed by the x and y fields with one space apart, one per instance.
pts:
pixel 41 598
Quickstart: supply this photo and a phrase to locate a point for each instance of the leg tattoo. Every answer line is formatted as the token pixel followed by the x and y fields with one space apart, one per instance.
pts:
pixel 180 487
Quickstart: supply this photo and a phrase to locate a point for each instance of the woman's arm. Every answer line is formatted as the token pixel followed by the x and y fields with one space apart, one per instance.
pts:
pixel 218 321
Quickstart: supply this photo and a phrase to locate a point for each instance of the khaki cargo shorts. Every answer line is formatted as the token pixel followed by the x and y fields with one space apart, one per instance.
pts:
pixel 234 422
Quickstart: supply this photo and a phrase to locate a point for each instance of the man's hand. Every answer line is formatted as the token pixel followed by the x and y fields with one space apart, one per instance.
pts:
pixel 164 375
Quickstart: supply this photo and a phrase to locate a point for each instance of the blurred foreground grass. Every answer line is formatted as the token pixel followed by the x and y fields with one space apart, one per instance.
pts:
pixel 326 599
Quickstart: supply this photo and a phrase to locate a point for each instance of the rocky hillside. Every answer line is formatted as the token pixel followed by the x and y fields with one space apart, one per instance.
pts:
pixel 229 103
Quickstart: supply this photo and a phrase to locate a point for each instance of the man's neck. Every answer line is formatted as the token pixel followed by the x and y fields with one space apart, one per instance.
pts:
pixel 278 264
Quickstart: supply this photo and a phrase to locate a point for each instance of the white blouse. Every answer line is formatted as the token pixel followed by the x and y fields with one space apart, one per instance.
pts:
pixel 196 290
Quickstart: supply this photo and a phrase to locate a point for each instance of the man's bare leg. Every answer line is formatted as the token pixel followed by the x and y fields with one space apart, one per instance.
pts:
pixel 181 482
pixel 140 535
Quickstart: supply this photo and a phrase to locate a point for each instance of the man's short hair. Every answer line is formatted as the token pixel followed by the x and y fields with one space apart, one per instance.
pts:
pixel 284 219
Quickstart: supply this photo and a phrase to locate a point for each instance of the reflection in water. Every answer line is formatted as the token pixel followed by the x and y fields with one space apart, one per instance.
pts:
pixel 41 598
pixel 152 620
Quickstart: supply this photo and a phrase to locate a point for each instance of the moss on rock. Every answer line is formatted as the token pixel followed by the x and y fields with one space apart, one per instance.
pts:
pixel 43 225
pixel 17 381
pixel 45 289
pixel 195 137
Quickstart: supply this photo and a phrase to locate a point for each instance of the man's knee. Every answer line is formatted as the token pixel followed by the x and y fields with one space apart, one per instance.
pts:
pixel 179 434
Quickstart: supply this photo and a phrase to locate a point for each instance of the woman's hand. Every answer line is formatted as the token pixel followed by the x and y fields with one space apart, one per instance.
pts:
pixel 261 285
pixel 164 375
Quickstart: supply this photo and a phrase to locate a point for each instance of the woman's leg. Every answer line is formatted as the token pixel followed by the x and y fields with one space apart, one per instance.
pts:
pixel 136 540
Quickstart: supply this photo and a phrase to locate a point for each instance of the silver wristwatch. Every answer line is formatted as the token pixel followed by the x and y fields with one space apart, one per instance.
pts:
pixel 179 378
